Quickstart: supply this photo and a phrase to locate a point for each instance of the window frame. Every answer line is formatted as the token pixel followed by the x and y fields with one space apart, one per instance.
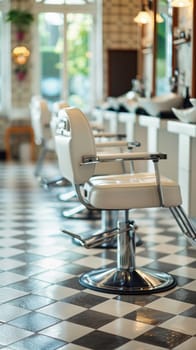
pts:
pixel 5 69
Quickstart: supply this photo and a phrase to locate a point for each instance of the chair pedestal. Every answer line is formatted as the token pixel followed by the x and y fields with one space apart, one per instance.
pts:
pixel 125 278
pixel 109 219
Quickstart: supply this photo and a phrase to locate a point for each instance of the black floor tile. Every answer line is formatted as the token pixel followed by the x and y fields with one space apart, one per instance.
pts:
pixel 163 337
pixel 149 316
pixel 190 312
pixel 184 295
pixel 91 318
pixel 85 299
pixel 99 340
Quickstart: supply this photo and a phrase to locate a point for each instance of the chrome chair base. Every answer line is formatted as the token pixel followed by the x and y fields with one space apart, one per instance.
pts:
pixel 125 278
pixel 138 281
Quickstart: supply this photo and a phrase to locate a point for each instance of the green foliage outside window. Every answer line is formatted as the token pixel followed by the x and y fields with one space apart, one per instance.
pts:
pixel 78 46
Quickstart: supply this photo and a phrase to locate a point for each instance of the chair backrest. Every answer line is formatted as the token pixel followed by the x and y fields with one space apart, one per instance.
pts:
pixel 56 107
pixel 40 118
pixel 74 139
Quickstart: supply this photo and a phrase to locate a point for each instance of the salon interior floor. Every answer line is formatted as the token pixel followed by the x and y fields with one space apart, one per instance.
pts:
pixel 42 304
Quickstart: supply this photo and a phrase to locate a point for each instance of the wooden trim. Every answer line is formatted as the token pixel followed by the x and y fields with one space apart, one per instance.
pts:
pixel 174 25
pixel 140 68
pixel 154 48
pixel 19 131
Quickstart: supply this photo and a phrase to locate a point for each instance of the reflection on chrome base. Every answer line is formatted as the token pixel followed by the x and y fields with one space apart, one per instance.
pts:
pixel 138 281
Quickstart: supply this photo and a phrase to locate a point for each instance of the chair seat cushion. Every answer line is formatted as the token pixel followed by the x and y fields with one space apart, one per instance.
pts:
pixel 129 191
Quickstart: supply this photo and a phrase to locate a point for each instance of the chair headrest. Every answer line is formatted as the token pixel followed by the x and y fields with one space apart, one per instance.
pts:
pixel 74 140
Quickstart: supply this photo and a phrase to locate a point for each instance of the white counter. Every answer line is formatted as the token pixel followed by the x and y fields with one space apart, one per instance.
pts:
pixel 159 140
pixel 186 163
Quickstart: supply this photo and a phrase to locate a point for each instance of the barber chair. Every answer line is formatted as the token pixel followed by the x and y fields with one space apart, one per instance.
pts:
pixel 44 124
pixel 40 120
pixel 78 158
pixel 104 140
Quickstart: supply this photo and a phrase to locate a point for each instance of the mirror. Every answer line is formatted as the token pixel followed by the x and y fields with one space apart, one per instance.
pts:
pixel 164 38
pixel 156 47
pixel 193 87
pixel 166 63
pixel 146 51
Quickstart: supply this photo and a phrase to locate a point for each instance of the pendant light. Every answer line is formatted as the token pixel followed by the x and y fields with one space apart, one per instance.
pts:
pixel 143 17
pixel 181 3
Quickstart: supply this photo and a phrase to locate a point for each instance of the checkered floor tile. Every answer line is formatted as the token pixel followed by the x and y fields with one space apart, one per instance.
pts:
pixel 42 303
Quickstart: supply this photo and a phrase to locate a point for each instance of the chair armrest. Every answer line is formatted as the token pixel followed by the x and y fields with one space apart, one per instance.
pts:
pixel 109 135
pixel 104 157
pixel 107 157
pixel 112 144
pixel 129 145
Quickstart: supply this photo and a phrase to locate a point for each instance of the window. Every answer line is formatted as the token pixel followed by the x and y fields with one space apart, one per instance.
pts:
pixel 79 50
pixel 51 39
pixel 69 49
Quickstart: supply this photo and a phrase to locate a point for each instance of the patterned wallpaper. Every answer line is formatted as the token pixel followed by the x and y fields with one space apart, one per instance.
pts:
pixel 184 52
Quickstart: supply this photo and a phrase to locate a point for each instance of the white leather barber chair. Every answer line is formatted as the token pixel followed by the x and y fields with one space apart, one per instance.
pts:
pixel 40 120
pixel 78 158
pixel 104 140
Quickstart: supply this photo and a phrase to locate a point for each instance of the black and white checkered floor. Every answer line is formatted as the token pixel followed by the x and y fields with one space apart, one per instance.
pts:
pixel 42 304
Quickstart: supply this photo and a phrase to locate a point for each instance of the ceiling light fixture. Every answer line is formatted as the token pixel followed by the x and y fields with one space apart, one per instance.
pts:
pixel 159 18
pixel 143 17
pixel 20 55
pixel 181 3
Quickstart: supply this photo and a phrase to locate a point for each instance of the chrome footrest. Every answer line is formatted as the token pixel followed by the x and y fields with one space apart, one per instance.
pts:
pixel 81 213
pixel 57 182
pixel 64 197
pixel 94 240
